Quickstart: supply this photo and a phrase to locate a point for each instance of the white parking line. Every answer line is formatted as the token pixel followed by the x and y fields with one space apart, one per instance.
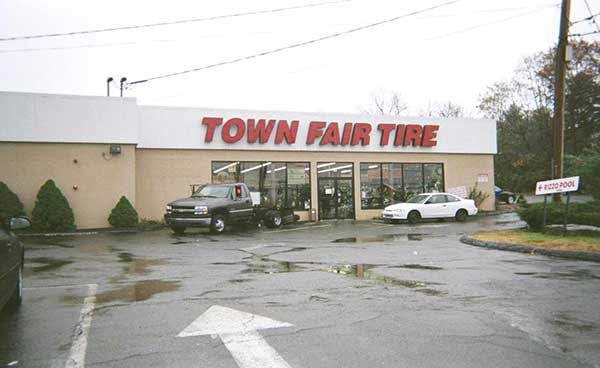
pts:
pixel 80 335
pixel 60 286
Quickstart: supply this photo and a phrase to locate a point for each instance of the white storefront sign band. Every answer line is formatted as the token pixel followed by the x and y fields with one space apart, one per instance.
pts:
pixel 562 185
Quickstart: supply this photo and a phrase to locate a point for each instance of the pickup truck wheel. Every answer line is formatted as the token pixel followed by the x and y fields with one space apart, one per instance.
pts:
pixel 218 224
pixel 461 215
pixel 273 219
pixel 179 230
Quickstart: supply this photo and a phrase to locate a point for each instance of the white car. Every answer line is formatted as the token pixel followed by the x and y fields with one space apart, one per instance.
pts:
pixel 431 205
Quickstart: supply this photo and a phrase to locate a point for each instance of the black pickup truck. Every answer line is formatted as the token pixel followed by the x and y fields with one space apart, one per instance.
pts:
pixel 217 206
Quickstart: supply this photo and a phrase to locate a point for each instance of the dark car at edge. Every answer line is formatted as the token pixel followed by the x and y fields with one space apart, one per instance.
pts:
pixel 12 255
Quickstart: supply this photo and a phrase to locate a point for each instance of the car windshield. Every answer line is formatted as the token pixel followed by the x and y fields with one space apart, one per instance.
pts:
pixel 213 191
pixel 421 198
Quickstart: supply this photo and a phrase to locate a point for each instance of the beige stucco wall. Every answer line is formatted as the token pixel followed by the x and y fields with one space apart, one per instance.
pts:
pixel 164 175
pixel 101 179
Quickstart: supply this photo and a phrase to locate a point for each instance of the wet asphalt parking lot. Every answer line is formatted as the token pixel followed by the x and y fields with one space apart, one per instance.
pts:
pixel 346 294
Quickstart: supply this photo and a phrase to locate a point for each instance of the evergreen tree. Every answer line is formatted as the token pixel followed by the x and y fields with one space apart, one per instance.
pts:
pixel 123 214
pixel 52 211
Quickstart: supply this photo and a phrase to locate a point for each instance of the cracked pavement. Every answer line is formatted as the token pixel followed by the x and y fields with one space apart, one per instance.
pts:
pixel 357 293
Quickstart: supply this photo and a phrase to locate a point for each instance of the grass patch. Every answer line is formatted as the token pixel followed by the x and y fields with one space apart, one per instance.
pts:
pixel 586 241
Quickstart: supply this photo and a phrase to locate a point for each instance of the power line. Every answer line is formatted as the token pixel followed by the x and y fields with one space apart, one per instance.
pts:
pixel 299 44
pixel 491 23
pixel 593 16
pixel 583 34
pixel 163 41
pixel 160 24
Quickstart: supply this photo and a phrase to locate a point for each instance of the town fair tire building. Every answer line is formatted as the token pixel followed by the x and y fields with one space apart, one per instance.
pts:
pixel 98 149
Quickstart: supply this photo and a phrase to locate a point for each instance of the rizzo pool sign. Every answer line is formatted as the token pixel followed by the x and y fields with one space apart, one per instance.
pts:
pixel 320 133
pixel 557 186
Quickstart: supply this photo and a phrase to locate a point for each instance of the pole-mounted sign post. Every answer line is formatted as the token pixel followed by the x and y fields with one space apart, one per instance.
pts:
pixel 564 185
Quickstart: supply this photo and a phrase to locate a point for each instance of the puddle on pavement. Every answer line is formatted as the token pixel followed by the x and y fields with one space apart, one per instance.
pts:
pixel 139 266
pixel 136 292
pixel 239 281
pixel 98 249
pixel 566 321
pixel 431 292
pixel 363 271
pixel 418 267
pixel 44 264
pixel 382 238
pixel 265 265
pixel 577 275
pixel 296 249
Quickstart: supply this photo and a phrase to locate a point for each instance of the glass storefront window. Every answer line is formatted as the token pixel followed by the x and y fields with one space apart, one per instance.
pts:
pixel 298 185
pixel 370 185
pixel 225 172
pixel 433 177
pixel 251 175
pixel 334 169
pixel 280 184
pixel 383 184
pixel 413 178
pixel 272 189
pixel 392 189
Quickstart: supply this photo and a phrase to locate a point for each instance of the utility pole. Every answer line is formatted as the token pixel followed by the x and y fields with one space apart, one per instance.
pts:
pixel 558 120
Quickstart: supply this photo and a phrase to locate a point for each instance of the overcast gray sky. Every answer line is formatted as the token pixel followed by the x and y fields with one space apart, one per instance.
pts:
pixel 429 58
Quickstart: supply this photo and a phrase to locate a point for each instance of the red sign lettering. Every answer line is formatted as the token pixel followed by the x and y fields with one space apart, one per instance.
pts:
pixel 240 129
pixel 260 130
pixel 322 133
pixel 284 131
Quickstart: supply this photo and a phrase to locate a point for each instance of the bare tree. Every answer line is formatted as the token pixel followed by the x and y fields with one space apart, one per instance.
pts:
pixel 450 110
pixel 446 110
pixel 386 103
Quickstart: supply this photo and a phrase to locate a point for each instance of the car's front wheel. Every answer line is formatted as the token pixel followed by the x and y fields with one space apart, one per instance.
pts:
pixel 510 200
pixel 461 215
pixel 218 224
pixel 413 217
pixel 17 297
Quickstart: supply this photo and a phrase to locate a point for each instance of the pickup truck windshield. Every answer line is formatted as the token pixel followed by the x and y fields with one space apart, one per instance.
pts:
pixel 213 191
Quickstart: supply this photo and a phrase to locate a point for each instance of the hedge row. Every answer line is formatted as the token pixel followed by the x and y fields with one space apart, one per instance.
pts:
pixel 579 213
pixel 52 211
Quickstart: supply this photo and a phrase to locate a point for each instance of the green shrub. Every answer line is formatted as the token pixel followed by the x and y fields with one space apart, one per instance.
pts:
pixel 10 205
pixel 579 213
pixel 477 195
pixel 52 211
pixel 123 214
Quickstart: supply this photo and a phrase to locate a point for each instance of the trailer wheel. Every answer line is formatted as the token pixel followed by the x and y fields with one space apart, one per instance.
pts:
pixel 273 219
pixel 218 224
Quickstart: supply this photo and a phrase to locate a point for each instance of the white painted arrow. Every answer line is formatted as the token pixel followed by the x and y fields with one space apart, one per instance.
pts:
pixel 238 331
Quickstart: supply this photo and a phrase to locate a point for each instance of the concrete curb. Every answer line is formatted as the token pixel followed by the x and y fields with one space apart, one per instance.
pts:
pixel 107 230
pixel 584 256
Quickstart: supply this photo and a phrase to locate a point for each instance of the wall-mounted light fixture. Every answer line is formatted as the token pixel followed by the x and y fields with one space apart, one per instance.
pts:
pixel 115 149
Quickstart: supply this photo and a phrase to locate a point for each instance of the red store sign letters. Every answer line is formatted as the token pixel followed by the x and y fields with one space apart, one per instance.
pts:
pixel 319 132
